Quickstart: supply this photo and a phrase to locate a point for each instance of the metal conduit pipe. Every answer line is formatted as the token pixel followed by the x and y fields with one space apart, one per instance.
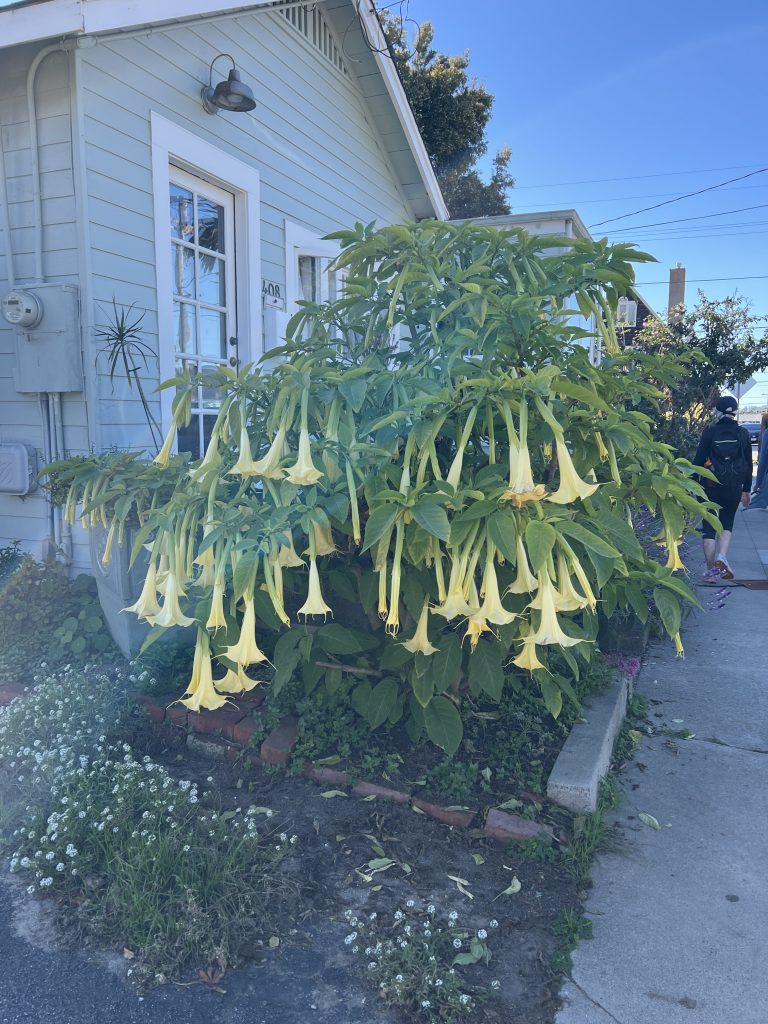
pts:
pixel 63 528
pixel 37 195
pixel 6 214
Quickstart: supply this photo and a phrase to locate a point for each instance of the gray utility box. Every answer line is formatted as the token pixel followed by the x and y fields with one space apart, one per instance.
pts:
pixel 18 469
pixel 48 355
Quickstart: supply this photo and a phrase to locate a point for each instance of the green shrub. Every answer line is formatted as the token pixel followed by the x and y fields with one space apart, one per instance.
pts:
pixel 45 617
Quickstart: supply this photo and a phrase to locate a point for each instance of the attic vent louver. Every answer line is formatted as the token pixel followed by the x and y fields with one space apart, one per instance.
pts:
pixel 314 28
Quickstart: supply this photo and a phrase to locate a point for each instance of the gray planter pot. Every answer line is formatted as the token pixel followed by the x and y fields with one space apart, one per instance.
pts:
pixel 624 637
pixel 119 586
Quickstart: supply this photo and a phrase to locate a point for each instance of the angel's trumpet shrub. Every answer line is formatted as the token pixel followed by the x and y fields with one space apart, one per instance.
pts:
pixel 549 631
pixel 170 614
pixel 572 487
pixel 147 606
pixel 314 605
pixel 201 692
pixel 269 465
pixel 525 582
pixel 246 650
pixel 419 642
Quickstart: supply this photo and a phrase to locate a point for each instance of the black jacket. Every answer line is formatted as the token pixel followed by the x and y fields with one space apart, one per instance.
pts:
pixel 705 446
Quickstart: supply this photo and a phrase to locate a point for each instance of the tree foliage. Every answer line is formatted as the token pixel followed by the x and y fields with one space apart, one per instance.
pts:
pixel 718 344
pixel 452 114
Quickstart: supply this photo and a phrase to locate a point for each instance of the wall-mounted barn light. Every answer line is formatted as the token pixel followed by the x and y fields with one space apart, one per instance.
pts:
pixel 231 94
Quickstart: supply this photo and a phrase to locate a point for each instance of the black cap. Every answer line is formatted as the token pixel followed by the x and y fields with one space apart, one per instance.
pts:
pixel 727 404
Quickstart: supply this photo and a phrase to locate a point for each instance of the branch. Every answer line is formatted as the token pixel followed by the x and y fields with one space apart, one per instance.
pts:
pixel 352 669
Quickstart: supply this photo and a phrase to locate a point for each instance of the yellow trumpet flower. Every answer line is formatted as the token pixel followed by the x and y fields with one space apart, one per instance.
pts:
pixel 581 576
pixel 679 649
pixel 454 473
pixel 236 681
pixel 245 466
pixel 269 465
pixel 246 650
pixel 568 597
pixel 216 618
pixel 571 485
pixel 674 562
pixel 170 614
pixel 492 609
pixel 314 605
pixel 164 455
pixel 275 588
pixel 303 473
pixel 528 659
pixel 419 642
pixel 455 604
pixel 476 622
pixel 382 607
pixel 201 692
pixel 525 582
pixel 287 556
pixel 106 558
pixel 210 459
pixel 147 606
pixel 323 540
pixel 392 624
pixel 549 631
pixel 601 449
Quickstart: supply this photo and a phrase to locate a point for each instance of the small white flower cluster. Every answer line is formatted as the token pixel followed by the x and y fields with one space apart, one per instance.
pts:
pixel 412 958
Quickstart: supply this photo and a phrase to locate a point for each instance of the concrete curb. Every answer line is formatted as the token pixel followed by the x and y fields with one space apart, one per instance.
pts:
pixel 586 755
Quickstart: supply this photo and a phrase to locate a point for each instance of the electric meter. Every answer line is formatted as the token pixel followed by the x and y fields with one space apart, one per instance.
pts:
pixel 22 309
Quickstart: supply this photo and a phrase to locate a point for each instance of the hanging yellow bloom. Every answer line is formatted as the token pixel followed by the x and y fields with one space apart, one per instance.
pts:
pixel 454 473
pixel 236 681
pixel 601 449
pixel 269 466
pixel 492 609
pixel 170 614
pixel 549 631
pixel 201 692
pixel 568 598
pixel 106 558
pixel 679 649
pixel 528 659
pixel 245 466
pixel 581 576
pixel 476 622
pixel 272 573
pixel 287 556
pixel 216 618
pixel 147 606
pixel 392 624
pixel 246 650
pixel 519 499
pixel 674 562
pixel 525 582
pixel 419 642
pixel 571 485
pixel 303 473
pixel 323 540
pixel 455 604
pixel 210 459
pixel 314 605
pixel 164 455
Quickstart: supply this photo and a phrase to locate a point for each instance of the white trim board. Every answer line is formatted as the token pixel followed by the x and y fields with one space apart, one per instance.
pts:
pixel 173 144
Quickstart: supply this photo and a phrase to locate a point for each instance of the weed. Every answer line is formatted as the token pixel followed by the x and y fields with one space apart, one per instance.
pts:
pixel 591 834
pixel 536 850
pixel 413 959
pixel 454 780
pixel 570 928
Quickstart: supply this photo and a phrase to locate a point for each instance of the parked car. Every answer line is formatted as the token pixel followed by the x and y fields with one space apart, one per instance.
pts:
pixel 754 431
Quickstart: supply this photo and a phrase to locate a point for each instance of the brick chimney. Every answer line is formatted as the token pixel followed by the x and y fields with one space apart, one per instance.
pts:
pixel 676 289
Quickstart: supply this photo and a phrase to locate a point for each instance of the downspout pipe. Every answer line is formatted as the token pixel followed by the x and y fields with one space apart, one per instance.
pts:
pixel 37 194
pixel 6 215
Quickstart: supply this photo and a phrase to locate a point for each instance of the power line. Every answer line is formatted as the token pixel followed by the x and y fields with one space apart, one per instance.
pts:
pixel 570 202
pixel 685 238
pixel 703 216
pixel 637 177
pixel 677 199
pixel 699 280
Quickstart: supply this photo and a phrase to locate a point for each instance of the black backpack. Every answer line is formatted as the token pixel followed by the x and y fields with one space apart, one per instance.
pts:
pixel 726 454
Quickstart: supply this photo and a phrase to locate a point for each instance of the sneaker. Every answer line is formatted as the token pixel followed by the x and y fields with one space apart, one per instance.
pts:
pixel 721 564
pixel 711 577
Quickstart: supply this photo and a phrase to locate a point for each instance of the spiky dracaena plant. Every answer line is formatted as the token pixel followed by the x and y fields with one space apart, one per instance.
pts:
pixel 461 502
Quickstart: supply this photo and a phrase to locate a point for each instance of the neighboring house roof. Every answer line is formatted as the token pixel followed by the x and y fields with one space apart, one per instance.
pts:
pixel 357 25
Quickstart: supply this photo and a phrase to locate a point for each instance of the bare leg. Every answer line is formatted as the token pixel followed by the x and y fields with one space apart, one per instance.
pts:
pixel 709 551
pixel 725 543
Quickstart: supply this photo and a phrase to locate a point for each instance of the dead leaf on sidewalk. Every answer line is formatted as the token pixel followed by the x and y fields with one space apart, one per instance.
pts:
pixel 128 954
pixel 649 820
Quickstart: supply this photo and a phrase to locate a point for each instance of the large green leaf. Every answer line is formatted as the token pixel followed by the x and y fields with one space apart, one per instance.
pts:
pixel 669 609
pixel 540 538
pixel 432 518
pixel 618 531
pixel 502 530
pixel 244 571
pixel 423 688
pixel 590 540
pixel 337 639
pixel 380 520
pixel 446 663
pixel 354 391
pixel 552 694
pixel 382 700
pixel 486 674
pixel 443 724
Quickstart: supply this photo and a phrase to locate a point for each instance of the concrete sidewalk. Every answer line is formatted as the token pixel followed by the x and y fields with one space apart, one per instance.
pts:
pixel 681 915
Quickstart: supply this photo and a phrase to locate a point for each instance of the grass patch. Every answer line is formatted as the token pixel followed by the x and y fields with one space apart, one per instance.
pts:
pixel 570 929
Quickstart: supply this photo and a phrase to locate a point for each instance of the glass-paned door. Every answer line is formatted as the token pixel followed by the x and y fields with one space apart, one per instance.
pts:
pixel 202 257
pixel 316 282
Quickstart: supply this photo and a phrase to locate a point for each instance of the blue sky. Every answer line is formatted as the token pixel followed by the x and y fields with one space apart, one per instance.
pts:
pixel 669 97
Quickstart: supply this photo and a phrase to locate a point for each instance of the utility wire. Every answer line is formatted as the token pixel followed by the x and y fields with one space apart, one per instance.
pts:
pixel 677 199
pixel 703 216
pixel 638 177
pixel 569 202
pixel 698 280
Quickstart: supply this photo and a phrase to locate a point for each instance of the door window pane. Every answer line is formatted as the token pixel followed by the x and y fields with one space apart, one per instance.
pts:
pixel 184 327
pixel 213 333
pixel 308 278
pixel 182 213
pixel 210 224
pixel 211 278
pixel 183 270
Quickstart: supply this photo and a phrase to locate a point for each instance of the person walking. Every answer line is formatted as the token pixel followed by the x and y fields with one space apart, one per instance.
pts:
pixel 726 450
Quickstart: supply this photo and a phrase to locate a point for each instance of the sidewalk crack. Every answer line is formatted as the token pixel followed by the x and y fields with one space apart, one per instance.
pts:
pixel 733 746
pixel 594 1001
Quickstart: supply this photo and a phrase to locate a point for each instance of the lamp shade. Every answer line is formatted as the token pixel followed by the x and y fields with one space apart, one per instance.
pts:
pixel 231 94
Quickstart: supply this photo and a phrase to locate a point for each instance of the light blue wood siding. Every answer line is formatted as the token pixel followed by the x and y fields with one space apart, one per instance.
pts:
pixel 310 138
pixel 25 519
